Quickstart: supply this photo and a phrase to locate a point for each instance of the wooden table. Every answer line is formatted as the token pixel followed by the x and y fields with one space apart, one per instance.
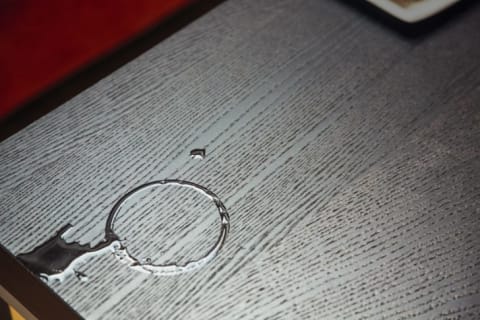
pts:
pixel 347 155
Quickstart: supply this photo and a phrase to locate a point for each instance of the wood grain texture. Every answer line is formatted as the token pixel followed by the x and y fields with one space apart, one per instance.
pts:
pixel 348 158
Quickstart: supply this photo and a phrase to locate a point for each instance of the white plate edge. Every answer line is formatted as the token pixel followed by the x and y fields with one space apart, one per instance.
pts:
pixel 415 12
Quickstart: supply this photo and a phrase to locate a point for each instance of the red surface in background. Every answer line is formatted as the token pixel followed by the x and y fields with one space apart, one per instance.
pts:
pixel 41 42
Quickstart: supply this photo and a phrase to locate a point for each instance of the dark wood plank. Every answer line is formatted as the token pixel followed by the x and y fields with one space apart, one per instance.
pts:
pixel 347 156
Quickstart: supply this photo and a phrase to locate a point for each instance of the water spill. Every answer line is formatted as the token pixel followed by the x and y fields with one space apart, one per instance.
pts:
pixel 81 276
pixel 55 259
pixel 198 154
pixel 146 265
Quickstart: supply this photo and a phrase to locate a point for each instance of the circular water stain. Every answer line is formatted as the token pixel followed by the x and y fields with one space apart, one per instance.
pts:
pixel 168 227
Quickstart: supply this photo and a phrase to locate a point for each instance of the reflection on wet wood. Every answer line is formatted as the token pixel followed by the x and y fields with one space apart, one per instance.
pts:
pixel 347 157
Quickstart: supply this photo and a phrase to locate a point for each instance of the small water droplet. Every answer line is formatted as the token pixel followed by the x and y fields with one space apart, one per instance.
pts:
pixel 198 154
pixel 81 276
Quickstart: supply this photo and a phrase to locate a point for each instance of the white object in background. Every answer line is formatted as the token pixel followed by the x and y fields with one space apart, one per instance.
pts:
pixel 414 11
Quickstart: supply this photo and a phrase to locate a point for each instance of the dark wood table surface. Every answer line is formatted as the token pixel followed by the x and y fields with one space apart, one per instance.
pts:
pixel 346 154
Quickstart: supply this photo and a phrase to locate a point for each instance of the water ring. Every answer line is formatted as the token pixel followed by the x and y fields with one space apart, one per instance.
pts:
pixel 124 256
